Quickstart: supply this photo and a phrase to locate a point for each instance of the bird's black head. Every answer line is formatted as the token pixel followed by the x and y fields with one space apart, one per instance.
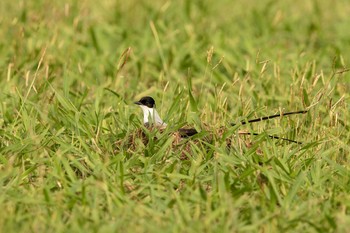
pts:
pixel 147 101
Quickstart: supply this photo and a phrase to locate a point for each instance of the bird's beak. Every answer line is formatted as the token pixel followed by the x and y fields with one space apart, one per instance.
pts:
pixel 138 103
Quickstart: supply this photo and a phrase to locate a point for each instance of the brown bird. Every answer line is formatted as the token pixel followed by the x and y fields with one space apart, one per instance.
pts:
pixel 151 119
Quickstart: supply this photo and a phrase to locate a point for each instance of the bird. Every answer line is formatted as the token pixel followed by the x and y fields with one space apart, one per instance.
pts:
pixel 150 114
pixel 151 118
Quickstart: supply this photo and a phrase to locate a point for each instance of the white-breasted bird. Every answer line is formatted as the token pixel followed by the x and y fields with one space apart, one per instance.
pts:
pixel 151 118
pixel 150 114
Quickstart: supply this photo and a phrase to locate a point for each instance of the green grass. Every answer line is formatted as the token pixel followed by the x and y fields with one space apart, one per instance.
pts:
pixel 71 71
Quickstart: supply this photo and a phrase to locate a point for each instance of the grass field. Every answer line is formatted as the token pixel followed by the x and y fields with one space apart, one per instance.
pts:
pixel 70 73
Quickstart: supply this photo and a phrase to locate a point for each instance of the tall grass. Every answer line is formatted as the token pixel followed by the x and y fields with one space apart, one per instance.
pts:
pixel 71 71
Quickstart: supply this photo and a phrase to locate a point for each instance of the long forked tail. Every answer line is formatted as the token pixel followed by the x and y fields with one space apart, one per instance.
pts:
pixel 272 136
pixel 270 117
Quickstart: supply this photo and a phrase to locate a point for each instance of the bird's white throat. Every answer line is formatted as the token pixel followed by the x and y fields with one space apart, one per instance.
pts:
pixel 150 115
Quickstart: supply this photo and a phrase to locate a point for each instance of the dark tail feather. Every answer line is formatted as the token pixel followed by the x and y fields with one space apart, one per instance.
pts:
pixel 273 137
pixel 270 117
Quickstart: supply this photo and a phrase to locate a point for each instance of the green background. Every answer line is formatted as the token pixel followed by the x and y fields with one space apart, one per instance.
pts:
pixel 71 70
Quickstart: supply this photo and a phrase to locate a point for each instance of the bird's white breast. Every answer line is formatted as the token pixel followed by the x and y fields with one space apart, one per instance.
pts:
pixel 151 115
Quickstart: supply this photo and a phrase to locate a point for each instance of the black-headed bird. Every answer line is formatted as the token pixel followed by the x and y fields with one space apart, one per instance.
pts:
pixel 151 118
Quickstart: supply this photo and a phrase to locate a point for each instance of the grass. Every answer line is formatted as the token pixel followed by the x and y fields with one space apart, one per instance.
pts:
pixel 70 72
